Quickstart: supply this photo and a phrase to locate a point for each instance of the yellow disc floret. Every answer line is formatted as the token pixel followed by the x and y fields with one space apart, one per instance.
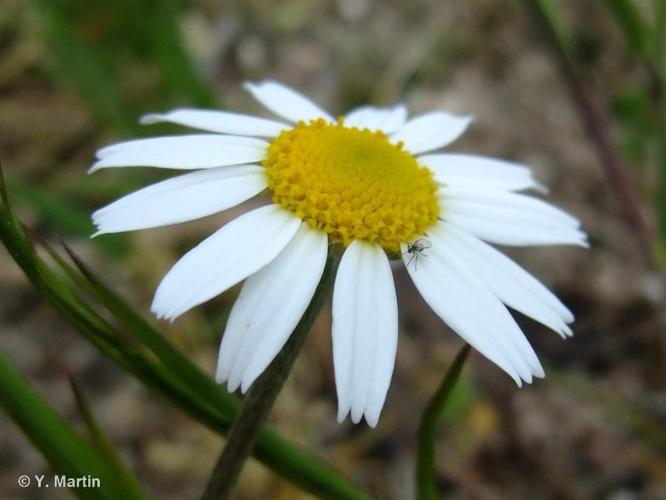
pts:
pixel 351 183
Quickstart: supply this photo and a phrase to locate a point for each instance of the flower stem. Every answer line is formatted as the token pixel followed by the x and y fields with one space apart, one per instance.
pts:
pixel 263 393
pixel 425 460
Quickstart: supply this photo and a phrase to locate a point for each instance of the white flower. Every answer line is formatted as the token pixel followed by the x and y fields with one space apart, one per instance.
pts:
pixel 362 181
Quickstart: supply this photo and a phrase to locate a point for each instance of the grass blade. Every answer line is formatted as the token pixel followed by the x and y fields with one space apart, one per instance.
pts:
pixel 102 443
pixel 636 31
pixel 546 16
pixel 67 453
pixel 425 461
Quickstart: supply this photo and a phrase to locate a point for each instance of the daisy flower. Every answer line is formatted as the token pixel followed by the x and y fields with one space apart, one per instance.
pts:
pixel 368 181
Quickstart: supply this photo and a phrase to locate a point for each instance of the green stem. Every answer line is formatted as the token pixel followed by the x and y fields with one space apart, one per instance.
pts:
pixel 425 460
pixel 636 30
pixel 262 395
pixel 596 128
pixel 660 98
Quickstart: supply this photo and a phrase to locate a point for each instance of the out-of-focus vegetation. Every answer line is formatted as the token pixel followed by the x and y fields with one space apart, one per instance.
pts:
pixel 75 75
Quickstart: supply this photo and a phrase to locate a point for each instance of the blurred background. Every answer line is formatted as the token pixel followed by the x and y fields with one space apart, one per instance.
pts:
pixel 76 75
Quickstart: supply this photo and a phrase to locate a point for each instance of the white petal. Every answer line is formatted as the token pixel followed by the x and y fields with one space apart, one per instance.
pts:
pixel 286 102
pixel 466 304
pixel 185 141
pixel 182 198
pixel 388 120
pixel 511 283
pixel 492 200
pixel 222 122
pixel 182 152
pixel 431 131
pixel 230 255
pixel 468 171
pixel 269 307
pixel 527 233
pixel 509 218
pixel 365 331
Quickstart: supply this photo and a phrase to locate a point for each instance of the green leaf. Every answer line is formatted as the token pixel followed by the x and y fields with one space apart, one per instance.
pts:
pixel 102 442
pixel 67 453
pixel 425 461
pixel 101 53
pixel 636 30
pixel 633 110
pixel 660 56
pixel 461 399
pixel 62 217
pixel 83 68
pixel 548 10
pixel 167 50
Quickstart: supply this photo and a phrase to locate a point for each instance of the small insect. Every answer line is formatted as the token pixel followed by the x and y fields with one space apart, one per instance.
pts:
pixel 415 249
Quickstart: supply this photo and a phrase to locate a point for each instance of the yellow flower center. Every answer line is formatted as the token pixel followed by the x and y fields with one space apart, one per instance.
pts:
pixel 351 183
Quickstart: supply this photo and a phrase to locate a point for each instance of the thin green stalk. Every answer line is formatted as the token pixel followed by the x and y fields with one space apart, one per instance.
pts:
pixel 647 42
pixel 635 28
pixel 595 127
pixel 262 396
pixel 102 443
pixel 425 460
pixel 660 56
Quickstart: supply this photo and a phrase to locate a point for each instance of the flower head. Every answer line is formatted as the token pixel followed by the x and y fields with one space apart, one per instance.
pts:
pixel 363 182
pixel 353 184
